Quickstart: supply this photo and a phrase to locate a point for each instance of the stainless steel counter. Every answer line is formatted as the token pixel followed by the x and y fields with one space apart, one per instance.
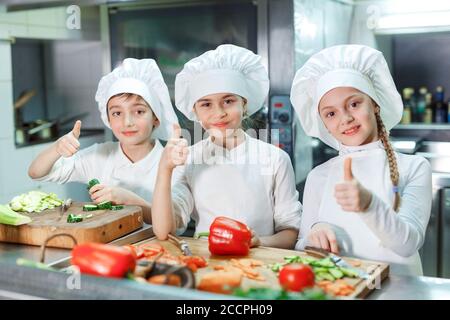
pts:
pixel 412 288
pixel 395 287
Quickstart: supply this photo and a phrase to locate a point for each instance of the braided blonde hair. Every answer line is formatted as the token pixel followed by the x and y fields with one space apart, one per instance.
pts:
pixel 393 168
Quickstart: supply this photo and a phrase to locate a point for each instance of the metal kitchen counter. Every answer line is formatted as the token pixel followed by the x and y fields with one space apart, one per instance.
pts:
pixel 394 287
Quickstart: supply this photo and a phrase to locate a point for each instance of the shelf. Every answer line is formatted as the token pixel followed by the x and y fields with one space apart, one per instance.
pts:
pixel 423 126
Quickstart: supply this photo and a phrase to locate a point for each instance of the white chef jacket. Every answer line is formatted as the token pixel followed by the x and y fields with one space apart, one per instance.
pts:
pixel 253 183
pixel 380 233
pixel 107 163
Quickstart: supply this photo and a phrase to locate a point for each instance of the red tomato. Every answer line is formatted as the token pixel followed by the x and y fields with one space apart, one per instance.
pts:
pixel 296 277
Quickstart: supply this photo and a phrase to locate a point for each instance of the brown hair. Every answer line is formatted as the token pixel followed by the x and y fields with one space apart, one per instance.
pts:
pixel 127 96
pixel 393 168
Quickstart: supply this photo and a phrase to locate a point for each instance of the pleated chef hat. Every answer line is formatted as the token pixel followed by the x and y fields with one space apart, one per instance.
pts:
pixel 356 66
pixel 141 77
pixel 227 69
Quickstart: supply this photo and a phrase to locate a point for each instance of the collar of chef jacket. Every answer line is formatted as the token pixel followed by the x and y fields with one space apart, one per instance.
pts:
pixel 343 149
pixel 216 154
pixel 144 165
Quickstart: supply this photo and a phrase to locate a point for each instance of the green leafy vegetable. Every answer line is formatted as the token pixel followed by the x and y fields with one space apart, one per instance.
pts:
pixel 35 201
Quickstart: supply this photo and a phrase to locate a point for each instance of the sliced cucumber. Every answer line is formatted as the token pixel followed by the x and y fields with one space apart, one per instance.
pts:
pixel 90 207
pixel 105 205
pixel 119 207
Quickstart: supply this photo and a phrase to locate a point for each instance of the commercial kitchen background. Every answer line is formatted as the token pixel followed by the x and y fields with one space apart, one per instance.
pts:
pixel 53 53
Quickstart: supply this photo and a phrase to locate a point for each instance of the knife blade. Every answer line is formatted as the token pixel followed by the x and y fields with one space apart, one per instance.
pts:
pixel 337 260
pixel 65 206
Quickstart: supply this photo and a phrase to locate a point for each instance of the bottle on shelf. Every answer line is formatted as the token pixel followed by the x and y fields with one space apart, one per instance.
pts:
pixel 428 115
pixel 440 110
pixel 407 110
pixel 421 105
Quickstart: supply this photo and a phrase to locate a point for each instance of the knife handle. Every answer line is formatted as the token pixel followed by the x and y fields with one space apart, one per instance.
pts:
pixel 316 252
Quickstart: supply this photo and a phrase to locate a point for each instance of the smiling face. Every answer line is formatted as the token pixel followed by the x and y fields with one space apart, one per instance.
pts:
pixel 220 114
pixel 349 116
pixel 131 119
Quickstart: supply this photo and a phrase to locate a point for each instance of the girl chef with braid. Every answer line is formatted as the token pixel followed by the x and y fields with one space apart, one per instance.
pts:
pixel 368 202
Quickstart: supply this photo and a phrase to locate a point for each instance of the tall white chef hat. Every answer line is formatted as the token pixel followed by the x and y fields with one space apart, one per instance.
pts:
pixel 227 69
pixel 141 77
pixel 356 66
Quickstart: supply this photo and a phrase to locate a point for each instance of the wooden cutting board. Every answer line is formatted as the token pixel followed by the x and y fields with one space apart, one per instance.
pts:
pixel 378 271
pixel 104 226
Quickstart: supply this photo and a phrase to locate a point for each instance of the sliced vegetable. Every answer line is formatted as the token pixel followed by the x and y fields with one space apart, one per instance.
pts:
pixel 35 201
pixel 324 269
pixel 220 281
pixel 73 218
pixel 171 280
pixel 119 207
pixel 8 216
pixel 105 205
pixel 275 294
pixel 336 273
pixel 90 207
pixel 33 264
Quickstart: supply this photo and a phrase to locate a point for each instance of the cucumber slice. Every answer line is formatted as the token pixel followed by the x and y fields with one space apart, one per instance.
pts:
pixel 90 207
pixel 336 273
pixel 71 218
pixel 105 205
pixel 119 207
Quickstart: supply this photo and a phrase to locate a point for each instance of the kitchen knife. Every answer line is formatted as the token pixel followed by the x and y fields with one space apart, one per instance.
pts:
pixel 184 247
pixel 64 207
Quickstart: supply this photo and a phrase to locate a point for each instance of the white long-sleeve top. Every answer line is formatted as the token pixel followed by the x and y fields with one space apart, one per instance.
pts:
pixel 107 163
pixel 253 183
pixel 380 233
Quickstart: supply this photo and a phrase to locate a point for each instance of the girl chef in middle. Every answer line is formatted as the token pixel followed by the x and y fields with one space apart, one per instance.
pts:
pixel 230 173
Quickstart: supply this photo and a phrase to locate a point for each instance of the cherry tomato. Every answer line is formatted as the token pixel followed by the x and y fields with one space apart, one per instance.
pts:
pixel 296 277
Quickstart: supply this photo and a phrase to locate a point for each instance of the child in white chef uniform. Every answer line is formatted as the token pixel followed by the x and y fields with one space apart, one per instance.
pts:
pixel 378 207
pixel 230 173
pixel 134 103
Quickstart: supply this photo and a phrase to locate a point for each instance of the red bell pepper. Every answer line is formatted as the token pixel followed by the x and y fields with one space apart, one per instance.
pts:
pixel 229 237
pixel 103 260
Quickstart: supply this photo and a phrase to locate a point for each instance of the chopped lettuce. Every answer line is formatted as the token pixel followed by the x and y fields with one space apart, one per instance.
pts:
pixel 35 201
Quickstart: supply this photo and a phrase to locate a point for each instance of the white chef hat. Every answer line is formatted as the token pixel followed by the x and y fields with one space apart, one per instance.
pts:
pixel 141 77
pixel 228 68
pixel 356 66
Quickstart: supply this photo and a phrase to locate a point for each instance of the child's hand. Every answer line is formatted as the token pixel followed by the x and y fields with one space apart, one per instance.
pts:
pixel 176 151
pixel 68 145
pixel 255 242
pixel 100 193
pixel 323 236
pixel 350 194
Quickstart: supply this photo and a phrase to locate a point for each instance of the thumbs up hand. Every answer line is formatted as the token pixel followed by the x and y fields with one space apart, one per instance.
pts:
pixel 68 145
pixel 350 194
pixel 176 150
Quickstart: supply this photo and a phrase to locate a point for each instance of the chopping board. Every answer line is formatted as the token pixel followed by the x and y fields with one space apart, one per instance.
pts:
pixel 378 271
pixel 104 226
